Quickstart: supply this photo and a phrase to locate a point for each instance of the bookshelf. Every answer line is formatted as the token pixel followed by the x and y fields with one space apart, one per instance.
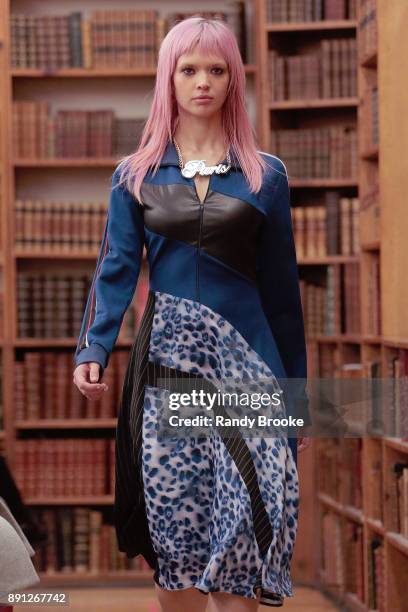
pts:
pixel 40 174
pixel 355 284
pixel 362 508
pixel 354 311
pixel 315 39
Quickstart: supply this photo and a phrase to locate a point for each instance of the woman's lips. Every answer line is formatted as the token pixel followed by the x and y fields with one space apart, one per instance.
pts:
pixel 202 100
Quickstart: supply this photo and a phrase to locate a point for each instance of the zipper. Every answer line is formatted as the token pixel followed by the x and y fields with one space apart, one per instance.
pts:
pixel 201 205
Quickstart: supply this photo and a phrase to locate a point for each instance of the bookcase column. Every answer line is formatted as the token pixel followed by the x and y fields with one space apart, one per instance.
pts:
pixel 393 87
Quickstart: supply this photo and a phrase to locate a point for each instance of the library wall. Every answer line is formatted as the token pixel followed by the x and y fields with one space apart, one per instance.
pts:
pixel 325 93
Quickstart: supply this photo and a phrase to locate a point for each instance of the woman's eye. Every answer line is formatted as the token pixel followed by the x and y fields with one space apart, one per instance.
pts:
pixel 190 70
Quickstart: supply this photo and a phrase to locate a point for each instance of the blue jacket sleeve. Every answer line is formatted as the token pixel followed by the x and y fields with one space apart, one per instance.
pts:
pixel 280 292
pixel 115 277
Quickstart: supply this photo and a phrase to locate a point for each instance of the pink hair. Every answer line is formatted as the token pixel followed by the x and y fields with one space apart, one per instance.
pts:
pixel 212 37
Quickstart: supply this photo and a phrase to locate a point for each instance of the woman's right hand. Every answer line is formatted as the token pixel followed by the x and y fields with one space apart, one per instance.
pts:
pixel 86 377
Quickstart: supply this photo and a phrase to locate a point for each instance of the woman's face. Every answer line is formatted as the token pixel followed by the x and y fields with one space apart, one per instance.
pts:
pixel 198 75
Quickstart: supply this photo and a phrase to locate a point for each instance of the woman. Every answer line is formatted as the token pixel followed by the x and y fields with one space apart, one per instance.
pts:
pixel 209 515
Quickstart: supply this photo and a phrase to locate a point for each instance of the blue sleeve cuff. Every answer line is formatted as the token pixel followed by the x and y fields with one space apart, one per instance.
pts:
pixel 94 352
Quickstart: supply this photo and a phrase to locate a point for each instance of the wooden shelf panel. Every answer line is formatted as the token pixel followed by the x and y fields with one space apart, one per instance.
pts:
pixel 305 26
pixel 376 525
pixel 67 424
pixel 77 500
pixel 327 259
pixel 371 154
pixel 354 514
pixel 102 162
pixel 57 342
pixel 371 246
pixel 397 444
pixel 69 73
pixel 321 183
pixel 395 342
pixel 398 541
pixel 350 338
pixel 50 254
pixel 316 103
pixel 370 60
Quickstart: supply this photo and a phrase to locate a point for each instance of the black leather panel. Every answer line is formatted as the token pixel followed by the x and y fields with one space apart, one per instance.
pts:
pixel 229 232
pixel 172 211
pixel 229 227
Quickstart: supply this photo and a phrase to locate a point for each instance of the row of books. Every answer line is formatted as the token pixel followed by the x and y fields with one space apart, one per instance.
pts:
pixel 68 226
pixel 342 555
pixel 339 469
pixel 396 413
pixel 80 540
pixel 387 411
pixel 397 493
pixel 370 117
pixel 106 39
pixel 314 307
pixel 367 28
pixel 349 287
pixel 376 582
pixel 325 152
pixel 327 230
pixel 61 226
pixel 71 133
pixel 52 305
pixel 329 308
pixel 373 318
pixel 44 389
pixel 278 11
pixel 330 72
pixel 60 399
pixel 61 468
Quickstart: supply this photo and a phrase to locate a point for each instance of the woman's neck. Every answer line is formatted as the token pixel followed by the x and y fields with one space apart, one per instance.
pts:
pixel 200 138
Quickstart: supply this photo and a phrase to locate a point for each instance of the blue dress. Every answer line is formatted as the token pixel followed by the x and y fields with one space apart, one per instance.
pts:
pixel 216 512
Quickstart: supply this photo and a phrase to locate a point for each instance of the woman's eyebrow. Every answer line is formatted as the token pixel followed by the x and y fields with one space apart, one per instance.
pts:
pixel 192 65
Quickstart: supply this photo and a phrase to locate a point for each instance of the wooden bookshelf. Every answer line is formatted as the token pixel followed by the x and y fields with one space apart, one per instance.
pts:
pixel 288 39
pixel 383 334
pixel 90 423
pixel 56 343
pixel 383 222
pixel 382 185
pixel 307 26
pixel 303 104
pixel 62 86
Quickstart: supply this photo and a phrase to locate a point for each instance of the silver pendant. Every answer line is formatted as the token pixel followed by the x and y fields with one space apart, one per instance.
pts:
pixel 193 166
pixel 190 169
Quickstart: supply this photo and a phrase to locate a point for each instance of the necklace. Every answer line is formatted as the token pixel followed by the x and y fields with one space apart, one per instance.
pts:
pixel 193 166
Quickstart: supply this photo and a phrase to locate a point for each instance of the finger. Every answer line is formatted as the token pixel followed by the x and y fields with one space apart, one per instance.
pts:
pixel 91 387
pixel 94 372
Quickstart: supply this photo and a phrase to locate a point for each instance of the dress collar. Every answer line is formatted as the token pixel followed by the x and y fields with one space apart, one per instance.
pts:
pixel 170 157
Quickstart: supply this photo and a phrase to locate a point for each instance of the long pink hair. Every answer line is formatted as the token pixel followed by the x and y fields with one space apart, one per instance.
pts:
pixel 213 37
